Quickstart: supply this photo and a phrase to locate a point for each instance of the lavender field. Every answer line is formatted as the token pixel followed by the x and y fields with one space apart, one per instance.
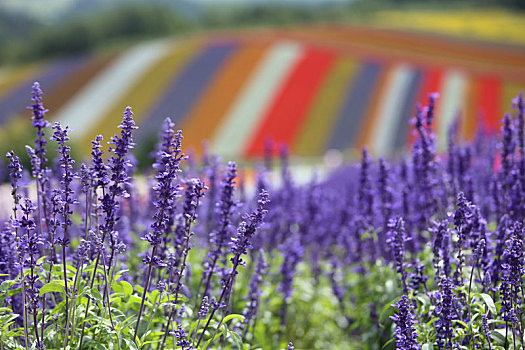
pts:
pixel 420 252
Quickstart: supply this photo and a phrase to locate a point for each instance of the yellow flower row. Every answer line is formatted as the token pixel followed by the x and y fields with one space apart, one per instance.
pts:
pixel 490 25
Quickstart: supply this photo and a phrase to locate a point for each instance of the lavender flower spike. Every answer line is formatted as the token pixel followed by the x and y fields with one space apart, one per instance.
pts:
pixel 39 123
pixel 444 312
pixel 406 335
pixel 180 334
pixel 66 163
pixel 239 245
pixel 166 191
pixel 254 294
pixel 242 242
pixel 396 239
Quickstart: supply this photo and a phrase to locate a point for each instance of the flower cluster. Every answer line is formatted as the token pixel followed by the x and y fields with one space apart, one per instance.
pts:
pixel 406 335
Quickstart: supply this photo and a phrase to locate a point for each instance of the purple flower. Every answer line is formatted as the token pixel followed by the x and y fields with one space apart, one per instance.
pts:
pixel 386 201
pixel 424 164
pixel 478 251
pixel 180 334
pixel 7 253
pixel 444 311
pixel 118 161
pixel 205 308
pixel 385 191
pixel 254 290
pixel 66 164
pixel 418 277
pixel 519 105
pixel 463 222
pixel 37 155
pixel 15 174
pixel 220 237
pixel 501 236
pixel 507 296
pixel 365 192
pixel 225 206
pixel 29 245
pixel 396 240
pixel 166 189
pixel 439 230
pixel 39 123
pixel 507 152
pixel 514 269
pixel 97 167
pixel 240 244
pixel 292 252
pixel 453 154
pixel 406 334
pixel 85 178
pixel 192 195
pixel 486 329
pixel 119 164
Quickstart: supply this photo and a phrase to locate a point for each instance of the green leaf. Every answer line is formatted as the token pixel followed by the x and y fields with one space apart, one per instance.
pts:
pixel 233 316
pixel 71 268
pixel 138 300
pixel 236 338
pixel 6 285
pixel 52 287
pixel 61 282
pixel 131 344
pixel 388 343
pixel 115 300
pixel 144 337
pixel 96 294
pixel 488 301
pixel 122 287
pixel 499 335
pixel 7 318
pixel 423 299
pixel 138 342
pixel 432 321
pixel 14 291
pixel 461 323
pixel 7 325
pixel 153 296
pixel 385 309
pixel 208 343
pixel 127 288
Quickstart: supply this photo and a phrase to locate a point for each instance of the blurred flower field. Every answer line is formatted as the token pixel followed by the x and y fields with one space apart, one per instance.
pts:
pixel 316 88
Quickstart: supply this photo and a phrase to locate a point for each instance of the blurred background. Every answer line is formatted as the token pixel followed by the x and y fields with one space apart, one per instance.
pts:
pixel 323 77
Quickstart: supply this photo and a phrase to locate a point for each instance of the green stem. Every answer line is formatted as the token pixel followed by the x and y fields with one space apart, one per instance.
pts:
pixel 107 294
pixel 26 331
pixel 146 287
pixel 65 286
pixel 157 304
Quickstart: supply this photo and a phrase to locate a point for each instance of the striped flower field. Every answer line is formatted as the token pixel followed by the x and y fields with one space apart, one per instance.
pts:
pixel 320 88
